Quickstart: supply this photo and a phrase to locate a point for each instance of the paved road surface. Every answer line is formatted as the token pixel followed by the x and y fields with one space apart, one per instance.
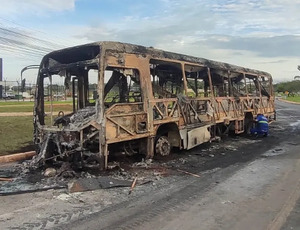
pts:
pixel 262 193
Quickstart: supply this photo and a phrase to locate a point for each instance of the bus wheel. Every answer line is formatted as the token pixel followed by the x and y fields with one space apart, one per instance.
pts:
pixel 162 146
pixel 248 124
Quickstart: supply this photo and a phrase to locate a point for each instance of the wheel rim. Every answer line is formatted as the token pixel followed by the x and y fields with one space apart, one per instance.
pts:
pixel 163 146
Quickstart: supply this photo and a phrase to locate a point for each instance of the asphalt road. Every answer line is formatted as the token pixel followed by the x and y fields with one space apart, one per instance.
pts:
pixel 261 191
pixel 244 183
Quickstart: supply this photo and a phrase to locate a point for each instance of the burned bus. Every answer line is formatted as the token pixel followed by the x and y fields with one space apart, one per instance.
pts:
pixel 141 100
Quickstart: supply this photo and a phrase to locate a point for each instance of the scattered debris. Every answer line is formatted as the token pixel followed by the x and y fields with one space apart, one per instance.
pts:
pixel 50 172
pixel 132 186
pixel 113 165
pixel 227 202
pixel 30 190
pixel 192 174
pixel 211 170
pixel 88 184
pixel 86 175
pixel 292 143
pixel 66 171
pixel 143 163
pixel 6 179
pixel 17 157
pixel 273 152
pixel 63 197
pixel 182 160
pixel 122 173
pixel 230 148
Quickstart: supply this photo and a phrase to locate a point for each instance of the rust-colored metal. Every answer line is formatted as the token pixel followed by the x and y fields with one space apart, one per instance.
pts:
pixel 192 174
pixel 132 185
pixel 17 157
pixel 6 179
pixel 143 94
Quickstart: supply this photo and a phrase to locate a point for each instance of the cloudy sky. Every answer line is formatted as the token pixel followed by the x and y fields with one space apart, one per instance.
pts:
pixel 258 34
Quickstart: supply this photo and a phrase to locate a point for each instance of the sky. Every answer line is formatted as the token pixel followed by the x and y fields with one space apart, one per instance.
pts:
pixel 257 34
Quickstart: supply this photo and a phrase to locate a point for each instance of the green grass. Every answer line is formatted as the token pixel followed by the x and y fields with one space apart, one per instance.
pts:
pixel 17 103
pixel 5 103
pixel 294 99
pixel 12 107
pixel 16 134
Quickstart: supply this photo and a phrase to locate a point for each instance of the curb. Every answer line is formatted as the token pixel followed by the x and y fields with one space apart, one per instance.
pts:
pixel 17 157
pixel 291 102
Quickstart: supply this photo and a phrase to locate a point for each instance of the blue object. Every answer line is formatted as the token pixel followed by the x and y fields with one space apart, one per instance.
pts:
pixel 262 126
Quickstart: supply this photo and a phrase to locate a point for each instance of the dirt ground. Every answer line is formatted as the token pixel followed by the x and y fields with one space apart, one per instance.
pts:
pixel 244 183
pixel 16 114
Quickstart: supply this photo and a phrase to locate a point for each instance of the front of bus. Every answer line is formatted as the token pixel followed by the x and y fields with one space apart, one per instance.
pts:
pixel 66 111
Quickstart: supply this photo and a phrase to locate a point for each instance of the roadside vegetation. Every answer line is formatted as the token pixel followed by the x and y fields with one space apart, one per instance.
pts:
pixel 15 134
pixel 289 90
pixel 12 107
pixel 293 87
pixel 293 98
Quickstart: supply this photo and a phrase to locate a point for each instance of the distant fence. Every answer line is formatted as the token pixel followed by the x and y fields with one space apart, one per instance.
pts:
pixel 15 90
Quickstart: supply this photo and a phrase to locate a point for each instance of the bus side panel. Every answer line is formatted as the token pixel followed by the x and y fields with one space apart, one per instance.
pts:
pixel 198 136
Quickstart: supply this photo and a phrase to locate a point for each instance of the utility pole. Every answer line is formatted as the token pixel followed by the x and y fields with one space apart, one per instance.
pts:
pixel 18 92
pixel 1 78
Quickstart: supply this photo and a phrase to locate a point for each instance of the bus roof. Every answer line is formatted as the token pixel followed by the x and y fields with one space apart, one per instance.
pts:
pixel 91 50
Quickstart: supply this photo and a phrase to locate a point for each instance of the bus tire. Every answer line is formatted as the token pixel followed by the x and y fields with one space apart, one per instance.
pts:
pixel 248 123
pixel 162 146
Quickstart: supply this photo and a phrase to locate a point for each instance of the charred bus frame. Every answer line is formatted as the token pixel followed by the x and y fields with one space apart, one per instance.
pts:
pixel 146 101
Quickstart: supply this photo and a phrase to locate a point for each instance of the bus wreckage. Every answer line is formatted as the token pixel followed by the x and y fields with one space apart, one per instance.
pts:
pixel 138 100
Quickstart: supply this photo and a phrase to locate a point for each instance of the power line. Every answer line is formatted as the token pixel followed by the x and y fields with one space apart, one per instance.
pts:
pixel 10 32
pixel 67 42
pixel 12 40
pixel 24 45
pixel 15 41
pixel 16 50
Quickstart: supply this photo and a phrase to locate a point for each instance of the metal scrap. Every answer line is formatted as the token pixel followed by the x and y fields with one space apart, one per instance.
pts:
pixel 132 185
pixel 192 174
pixel 88 184
pixel 6 179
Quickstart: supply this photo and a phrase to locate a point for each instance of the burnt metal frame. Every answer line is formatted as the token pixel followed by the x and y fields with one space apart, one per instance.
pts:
pixel 120 122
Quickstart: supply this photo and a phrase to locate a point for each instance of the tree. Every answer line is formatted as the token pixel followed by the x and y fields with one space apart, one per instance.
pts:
pixel 291 86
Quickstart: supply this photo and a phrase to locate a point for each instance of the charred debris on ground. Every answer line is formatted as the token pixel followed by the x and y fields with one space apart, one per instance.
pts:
pixel 130 171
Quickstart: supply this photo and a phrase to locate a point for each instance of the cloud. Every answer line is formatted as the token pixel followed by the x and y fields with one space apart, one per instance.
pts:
pixel 262 34
pixel 274 46
pixel 255 16
pixel 252 18
pixel 34 7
